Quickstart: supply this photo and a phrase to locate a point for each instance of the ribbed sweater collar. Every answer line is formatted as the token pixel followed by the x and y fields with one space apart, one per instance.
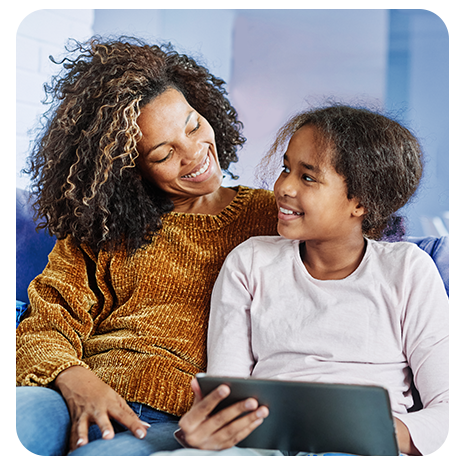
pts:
pixel 211 221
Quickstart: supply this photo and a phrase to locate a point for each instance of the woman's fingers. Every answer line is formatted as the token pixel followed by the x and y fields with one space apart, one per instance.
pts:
pixel 125 416
pixel 91 401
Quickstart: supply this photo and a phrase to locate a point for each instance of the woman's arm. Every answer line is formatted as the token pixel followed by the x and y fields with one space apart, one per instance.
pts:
pixel 61 316
pixel 65 302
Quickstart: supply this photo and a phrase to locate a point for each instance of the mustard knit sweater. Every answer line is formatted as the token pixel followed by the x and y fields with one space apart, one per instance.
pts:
pixel 140 322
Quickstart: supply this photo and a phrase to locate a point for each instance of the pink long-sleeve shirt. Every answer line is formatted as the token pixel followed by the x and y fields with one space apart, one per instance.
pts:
pixel 384 322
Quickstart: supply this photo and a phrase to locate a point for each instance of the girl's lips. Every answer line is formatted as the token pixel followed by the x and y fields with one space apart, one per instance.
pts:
pixel 287 214
pixel 201 172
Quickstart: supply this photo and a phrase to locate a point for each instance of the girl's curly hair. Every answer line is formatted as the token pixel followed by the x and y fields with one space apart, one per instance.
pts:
pixel 82 165
pixel 380 160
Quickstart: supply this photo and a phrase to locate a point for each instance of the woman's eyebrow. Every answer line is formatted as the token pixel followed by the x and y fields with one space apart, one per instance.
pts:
pixel 188 117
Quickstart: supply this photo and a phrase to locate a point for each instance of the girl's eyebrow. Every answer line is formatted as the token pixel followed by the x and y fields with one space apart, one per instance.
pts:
pixel 307 166
pixel 164 143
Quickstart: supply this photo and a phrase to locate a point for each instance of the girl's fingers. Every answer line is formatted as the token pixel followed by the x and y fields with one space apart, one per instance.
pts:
pixel 213 432
pixel 202 409
pixel 240 428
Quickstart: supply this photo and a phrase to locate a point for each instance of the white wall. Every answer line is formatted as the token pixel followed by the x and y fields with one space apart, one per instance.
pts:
pixel 272 61
pixel 40 34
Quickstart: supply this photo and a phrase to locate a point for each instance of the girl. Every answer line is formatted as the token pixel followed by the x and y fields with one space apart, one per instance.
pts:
pixel 326 301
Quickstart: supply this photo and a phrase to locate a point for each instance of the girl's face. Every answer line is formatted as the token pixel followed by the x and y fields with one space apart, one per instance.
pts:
pixel 311 196
pixel 177 150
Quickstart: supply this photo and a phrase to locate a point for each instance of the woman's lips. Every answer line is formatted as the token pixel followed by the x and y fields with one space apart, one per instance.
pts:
pixel 201 172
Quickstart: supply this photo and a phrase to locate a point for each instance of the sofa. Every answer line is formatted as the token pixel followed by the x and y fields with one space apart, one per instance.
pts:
pixel 33 247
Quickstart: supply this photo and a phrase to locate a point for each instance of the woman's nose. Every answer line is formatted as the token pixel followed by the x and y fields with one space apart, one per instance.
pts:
pixel 190 150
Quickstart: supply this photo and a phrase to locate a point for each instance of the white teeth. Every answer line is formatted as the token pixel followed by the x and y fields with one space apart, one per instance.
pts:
pixel 288 211
pixel 201 171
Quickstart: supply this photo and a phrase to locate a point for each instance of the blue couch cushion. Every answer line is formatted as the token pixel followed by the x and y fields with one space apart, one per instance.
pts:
pixel 438 249
pixel 32 247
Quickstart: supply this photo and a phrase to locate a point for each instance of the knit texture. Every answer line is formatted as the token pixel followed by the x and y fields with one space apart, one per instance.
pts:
pixel 140 322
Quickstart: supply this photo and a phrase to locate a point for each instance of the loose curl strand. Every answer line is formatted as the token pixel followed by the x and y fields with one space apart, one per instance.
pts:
pixel 83 163
pixel 380 160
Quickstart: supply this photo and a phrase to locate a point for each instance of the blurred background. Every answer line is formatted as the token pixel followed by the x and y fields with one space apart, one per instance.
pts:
pixel 275 63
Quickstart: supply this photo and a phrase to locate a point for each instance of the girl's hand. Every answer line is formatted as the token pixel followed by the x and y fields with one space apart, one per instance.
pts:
pixel 404 439
pixel 225 428
pixel 91 401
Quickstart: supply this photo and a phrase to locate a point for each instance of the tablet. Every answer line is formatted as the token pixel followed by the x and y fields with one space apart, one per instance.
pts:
pixel 314 417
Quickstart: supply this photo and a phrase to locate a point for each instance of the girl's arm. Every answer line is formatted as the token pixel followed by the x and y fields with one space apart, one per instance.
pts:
pixel 229 354
pixel 425 326
pixel 229 344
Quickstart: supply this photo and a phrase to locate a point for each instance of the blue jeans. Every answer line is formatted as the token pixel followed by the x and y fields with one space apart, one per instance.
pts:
pixel 43 424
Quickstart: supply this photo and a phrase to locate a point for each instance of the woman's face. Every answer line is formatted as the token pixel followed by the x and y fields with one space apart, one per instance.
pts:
pixel 177 150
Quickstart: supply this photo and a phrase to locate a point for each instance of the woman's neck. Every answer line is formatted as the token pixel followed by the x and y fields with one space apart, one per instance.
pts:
pixel 333 260
pixel 212 203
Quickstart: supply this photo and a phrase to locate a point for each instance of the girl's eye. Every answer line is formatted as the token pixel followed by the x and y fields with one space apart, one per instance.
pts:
pixel 285 169
pixel 308 178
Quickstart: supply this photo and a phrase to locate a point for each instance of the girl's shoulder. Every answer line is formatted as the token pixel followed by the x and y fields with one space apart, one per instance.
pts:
pixel 264 248
pixel 399 253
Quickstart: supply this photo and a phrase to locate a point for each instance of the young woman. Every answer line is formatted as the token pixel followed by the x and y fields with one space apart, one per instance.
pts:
pixel 127 173
pixel 326 301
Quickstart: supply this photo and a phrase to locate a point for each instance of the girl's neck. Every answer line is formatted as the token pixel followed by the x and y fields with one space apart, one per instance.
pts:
pixel 332 261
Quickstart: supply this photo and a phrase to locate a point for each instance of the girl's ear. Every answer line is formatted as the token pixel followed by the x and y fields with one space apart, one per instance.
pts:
pixel 359 210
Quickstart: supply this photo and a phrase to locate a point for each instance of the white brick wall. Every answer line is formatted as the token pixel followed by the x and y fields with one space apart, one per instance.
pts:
pixel 40 34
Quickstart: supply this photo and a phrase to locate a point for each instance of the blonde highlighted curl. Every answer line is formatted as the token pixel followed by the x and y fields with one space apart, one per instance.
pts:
pixel 83 164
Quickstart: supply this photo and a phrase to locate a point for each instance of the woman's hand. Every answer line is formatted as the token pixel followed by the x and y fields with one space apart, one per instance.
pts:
pixel 91 401
pixel 225 428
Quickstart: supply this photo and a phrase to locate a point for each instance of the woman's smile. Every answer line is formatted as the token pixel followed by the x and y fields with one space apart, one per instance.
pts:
pixel 201 172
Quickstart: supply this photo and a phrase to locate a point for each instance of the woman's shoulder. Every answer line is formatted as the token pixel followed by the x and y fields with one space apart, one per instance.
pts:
pixel 256 198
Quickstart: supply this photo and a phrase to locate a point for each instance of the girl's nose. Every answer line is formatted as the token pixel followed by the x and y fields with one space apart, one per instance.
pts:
pixel 285 186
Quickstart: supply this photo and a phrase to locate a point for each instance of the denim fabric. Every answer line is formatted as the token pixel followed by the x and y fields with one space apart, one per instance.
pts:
pixel 43 423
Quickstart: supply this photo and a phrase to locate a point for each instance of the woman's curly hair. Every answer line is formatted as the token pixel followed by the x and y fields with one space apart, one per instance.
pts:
pixel 82 165
pixel 380 160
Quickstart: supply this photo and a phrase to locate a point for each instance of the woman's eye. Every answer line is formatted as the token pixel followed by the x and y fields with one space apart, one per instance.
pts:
pixel 196 127
pixel 165 158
